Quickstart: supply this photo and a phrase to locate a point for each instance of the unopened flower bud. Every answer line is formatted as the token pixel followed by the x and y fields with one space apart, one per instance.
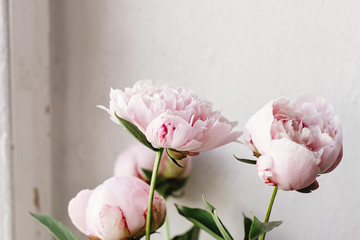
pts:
pixel 137 158
pixel 177 155
pixel 116 209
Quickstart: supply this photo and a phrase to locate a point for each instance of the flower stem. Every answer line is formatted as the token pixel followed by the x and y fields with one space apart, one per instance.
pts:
pixel 166 228
pixel 151 192
pixel 267 216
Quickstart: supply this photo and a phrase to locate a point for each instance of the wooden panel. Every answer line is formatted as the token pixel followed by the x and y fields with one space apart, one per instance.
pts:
pixel 6 216
pixel 31 115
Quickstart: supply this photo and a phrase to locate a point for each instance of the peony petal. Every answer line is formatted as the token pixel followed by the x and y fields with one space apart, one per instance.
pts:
pixel 143 114
pixel 111 223
pixel 332 155
pixel 216 135
pixel 294 166
pixel 77 210
pixel 259 126
pixel 337 161
pixel 264 166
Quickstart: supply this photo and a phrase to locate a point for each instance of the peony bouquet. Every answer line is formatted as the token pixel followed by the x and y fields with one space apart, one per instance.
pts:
pixel 293 142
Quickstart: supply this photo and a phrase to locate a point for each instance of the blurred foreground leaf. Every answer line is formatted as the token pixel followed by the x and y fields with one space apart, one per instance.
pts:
pixel 59 230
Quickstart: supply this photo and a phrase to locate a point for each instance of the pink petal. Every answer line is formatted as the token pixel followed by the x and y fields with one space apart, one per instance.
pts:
pixel 217 134
pixel 336 163
pixel 77 210
pixel 332 155
pixel 259 126
pixel 294 166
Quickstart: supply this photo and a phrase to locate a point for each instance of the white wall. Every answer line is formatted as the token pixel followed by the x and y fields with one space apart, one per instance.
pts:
pixel 239 55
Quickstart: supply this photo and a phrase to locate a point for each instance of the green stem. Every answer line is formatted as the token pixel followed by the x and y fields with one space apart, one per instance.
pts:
pixel 151 192
pixel 166 228
pixel 267 216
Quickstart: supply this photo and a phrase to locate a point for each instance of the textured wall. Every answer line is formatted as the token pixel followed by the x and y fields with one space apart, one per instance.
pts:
pixel 30 118
pixel 237 54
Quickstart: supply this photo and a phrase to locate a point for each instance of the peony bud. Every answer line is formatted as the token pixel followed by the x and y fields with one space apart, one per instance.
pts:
pixel 138 157
pixel 116 209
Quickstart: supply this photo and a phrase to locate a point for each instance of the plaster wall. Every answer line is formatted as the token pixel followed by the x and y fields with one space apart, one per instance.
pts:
pixel 237 54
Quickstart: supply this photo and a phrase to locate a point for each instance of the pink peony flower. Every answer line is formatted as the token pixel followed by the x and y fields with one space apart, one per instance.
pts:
pixel 116 209
pixel 296 140
pixel 173 118
pixel 138 157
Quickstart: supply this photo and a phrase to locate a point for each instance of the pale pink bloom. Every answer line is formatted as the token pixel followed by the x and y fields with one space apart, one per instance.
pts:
pixel 116 209
pixel 138 157
pixel 297 140
pixel 174 118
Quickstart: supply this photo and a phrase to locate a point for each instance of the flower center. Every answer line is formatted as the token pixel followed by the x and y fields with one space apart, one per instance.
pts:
pixel 309 130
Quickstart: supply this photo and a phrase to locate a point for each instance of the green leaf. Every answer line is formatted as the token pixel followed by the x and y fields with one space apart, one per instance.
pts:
pixel 202 219
pixel 192 234
pixel 168 186
pixel 247 226
pixel 258 228
pixel 224 232
pixel 134 130
pixel 248 161
pixel 59 230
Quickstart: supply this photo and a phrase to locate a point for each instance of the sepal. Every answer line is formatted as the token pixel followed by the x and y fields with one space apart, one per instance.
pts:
pixel 135 132
pixel 310 188
pixel 175 154
pixel 170 154
pixel 248 161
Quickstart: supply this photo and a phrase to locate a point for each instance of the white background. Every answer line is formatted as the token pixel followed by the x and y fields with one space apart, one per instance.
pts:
pixel 238 54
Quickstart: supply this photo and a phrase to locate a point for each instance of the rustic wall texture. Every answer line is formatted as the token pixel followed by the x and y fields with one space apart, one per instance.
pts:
pixel 237 54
